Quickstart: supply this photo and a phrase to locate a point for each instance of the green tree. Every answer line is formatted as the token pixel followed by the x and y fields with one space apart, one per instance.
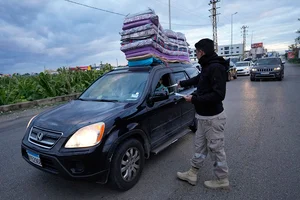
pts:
pixel 294 47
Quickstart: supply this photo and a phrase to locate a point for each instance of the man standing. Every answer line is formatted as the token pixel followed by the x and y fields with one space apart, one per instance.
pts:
pixel 210 114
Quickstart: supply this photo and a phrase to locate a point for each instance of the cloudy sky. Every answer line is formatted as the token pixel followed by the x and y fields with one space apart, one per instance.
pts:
pixel 48 34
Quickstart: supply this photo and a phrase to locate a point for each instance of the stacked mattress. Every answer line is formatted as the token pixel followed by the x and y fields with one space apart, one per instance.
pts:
pixel 143 40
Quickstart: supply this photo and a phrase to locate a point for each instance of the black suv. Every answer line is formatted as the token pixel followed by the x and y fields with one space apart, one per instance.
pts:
pixel 106 134
pixel 267 68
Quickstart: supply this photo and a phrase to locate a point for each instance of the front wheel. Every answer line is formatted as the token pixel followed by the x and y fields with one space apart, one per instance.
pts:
pixel 127 165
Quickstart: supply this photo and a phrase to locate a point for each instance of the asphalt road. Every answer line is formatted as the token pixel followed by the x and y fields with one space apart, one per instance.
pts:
pixel 262 146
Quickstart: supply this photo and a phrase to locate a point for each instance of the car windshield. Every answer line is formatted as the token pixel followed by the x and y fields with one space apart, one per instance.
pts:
pixel 268 62
pixel 117 87
pixel 241 64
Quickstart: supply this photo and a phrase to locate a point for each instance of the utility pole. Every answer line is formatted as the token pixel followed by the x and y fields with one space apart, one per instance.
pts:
pixel 214 14
pixel 170 14
pixel 251 37
pixel 231 32
pixel 244 30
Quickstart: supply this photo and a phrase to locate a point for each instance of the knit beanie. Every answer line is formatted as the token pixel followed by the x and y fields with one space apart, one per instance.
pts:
pixel 206 45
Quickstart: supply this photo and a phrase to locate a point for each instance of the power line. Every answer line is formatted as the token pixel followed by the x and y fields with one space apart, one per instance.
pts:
pixel 88 6
pixel 181 8
pixel 186 24
pixel 95 8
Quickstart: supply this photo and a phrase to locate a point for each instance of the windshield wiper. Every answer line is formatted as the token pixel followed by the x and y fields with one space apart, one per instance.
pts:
pixel 81 99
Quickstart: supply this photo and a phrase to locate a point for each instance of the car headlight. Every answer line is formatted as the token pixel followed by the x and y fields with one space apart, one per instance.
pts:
pixel 87 136
pixel 254 70
pixel 30 120
pixel 277 68
pixel 247 68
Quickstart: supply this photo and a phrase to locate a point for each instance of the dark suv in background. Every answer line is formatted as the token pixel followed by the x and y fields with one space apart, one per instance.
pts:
pixel 106 134
pixel 267 68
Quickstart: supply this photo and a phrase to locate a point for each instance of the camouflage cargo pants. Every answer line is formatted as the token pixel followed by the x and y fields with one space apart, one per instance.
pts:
pixel 209 138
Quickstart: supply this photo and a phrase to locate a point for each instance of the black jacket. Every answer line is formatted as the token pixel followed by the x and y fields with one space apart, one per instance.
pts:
pixel 211 85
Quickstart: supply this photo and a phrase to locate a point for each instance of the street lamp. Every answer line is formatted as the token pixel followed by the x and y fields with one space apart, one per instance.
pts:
pixel 170 14
pixel 231 33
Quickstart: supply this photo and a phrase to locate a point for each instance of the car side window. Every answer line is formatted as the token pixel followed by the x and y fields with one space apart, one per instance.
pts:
pixel 180 76
pixel 192 72
pixel 163 84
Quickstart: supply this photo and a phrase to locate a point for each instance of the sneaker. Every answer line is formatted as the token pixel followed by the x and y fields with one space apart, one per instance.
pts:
pixel 189 176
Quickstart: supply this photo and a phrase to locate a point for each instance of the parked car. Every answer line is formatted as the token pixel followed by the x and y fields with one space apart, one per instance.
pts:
pixel 234 59
pixel 232 71
pixel 267 68
pixel 248 59
pixel 107 133
pixel 244 67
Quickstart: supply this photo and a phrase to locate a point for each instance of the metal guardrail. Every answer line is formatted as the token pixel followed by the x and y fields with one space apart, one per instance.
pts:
pixel 30 104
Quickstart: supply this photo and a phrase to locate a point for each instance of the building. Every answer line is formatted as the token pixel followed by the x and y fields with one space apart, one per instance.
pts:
pixel 193 55
pixel 80 68
pixel 273 54
pixel 223 50
pixel 257 51
pixel 236 50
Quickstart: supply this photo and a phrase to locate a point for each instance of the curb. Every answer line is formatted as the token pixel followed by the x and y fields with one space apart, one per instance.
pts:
pixel 39 102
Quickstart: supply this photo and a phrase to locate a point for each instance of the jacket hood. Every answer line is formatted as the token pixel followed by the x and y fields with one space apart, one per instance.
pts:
pixel 213 58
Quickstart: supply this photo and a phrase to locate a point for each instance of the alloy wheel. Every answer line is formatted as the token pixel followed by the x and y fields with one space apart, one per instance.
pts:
pixel 130 164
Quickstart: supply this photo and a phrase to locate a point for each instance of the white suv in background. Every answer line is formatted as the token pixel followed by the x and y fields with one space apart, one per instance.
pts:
pixel 244 67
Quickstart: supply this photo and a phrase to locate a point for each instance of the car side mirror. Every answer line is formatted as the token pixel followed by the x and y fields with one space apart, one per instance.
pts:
pixel 159 96
pixel 283 62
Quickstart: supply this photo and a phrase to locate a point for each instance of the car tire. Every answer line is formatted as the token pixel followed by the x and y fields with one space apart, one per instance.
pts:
pixel 127 165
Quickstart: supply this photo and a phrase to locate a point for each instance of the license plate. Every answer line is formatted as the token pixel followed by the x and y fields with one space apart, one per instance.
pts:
pixel 264 73
pixel 34 158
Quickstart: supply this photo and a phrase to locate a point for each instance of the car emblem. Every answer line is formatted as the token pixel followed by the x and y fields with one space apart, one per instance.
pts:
pixel 40 136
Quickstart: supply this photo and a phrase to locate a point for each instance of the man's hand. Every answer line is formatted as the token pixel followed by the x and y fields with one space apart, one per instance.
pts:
pixel 188 98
